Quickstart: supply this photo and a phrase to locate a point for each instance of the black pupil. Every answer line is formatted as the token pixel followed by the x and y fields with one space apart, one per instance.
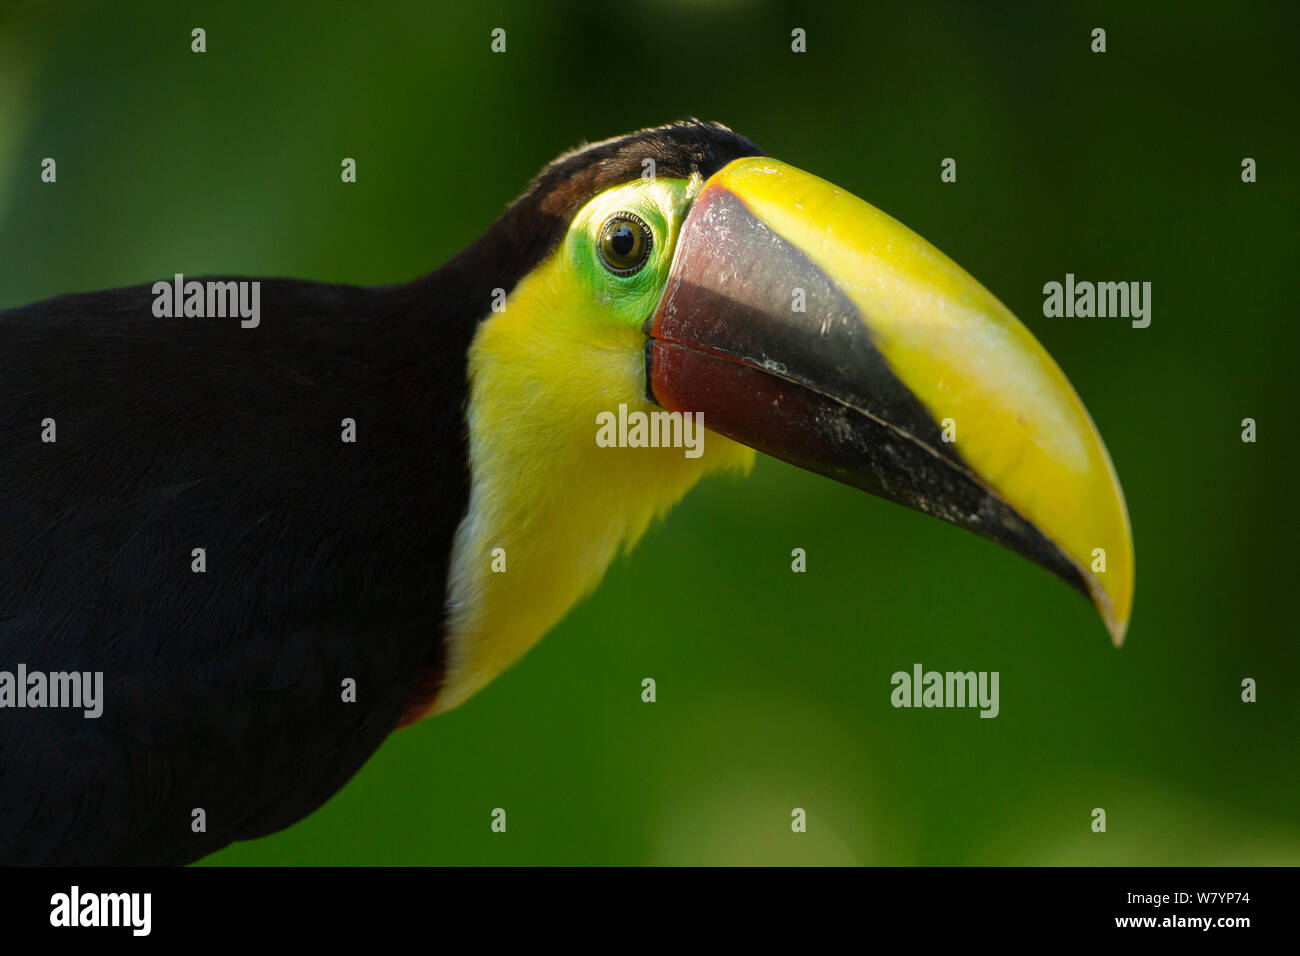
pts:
pixel 622 240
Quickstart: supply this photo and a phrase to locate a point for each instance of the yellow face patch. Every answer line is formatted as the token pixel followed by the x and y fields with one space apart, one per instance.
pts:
pixel 549 507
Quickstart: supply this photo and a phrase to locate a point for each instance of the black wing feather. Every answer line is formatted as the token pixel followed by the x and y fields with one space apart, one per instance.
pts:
pixel 325 560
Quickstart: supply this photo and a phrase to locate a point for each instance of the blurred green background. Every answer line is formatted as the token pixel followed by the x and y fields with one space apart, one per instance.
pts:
pixel 773 688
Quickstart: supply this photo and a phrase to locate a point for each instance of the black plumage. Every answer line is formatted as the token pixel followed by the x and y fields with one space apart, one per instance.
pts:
pixel 325 560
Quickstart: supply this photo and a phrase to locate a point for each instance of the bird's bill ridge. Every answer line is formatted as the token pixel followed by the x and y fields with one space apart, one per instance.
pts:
pixel 807 324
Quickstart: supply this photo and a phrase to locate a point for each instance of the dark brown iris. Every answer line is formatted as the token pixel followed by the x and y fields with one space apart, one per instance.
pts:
pixel 624 243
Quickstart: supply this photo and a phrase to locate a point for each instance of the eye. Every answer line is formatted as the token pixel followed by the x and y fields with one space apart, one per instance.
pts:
pixel 624 243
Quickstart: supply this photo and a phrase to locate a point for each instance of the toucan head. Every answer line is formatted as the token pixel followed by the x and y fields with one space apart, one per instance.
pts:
pixel 680 270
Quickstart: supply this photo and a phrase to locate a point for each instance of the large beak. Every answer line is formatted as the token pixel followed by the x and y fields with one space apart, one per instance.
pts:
pixel 807 324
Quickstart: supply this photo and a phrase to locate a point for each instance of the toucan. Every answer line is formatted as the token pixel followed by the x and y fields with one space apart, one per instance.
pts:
pixel 277 541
